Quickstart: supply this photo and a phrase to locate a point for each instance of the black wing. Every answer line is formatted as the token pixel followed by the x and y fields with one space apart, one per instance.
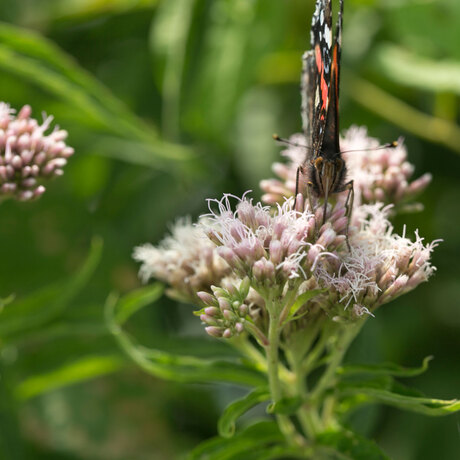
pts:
pixel 320 83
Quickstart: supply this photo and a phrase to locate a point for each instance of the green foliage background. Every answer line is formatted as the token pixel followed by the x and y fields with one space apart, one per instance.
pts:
pixel 168 103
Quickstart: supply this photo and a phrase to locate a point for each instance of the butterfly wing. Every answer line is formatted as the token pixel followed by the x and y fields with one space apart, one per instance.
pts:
pixel 308 90
pixel 330 146
pixel 321 39
pixel 320 83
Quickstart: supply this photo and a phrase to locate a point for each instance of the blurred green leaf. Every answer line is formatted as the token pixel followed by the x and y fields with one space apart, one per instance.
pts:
pixel 83 369
pixel 300 302
pixel 38 61
pixel 385 369
pixel 237 34
pixel 168 43
pixel 398 395
pixel 256 436
pixel 177 367
pixel 285 406
pixel 398 112
pixel 407 69
pixel 11 438
pixel 226 424
pixel 89 9
pixel 40 307
pixel 134 301
pixel 350 446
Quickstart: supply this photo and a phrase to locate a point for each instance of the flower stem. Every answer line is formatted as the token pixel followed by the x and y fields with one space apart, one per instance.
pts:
pixel 326 380
pixel 272 350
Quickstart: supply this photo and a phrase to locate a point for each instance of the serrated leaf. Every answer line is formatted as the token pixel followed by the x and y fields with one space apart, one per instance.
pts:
pixel 385 368
pixel 175 367
pixel 350 446
pixel 285 406
pixel 44 305
pixel 226 423
pixel 260 434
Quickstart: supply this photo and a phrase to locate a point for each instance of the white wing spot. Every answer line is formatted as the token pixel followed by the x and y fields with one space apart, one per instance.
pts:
pixel 327 36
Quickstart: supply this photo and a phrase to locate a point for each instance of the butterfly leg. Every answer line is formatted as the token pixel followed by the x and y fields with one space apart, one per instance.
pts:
pixel 349 207
pixel 300 171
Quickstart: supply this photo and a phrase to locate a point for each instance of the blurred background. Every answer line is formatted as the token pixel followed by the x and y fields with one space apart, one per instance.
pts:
pixel 168 103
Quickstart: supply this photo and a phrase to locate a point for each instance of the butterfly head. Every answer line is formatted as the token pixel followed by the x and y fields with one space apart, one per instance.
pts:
pixel 327 175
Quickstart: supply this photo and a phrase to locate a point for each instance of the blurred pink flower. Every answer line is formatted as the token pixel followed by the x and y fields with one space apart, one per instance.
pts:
pixel 27 155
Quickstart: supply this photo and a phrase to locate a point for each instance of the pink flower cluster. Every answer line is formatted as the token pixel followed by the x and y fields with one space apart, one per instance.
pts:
pixel 27 154
pixel 379 174
pixel 186 260
pixel 272 247
pixel 241 257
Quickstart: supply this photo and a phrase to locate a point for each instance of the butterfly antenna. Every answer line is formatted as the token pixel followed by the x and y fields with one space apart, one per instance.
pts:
pixel 389 145
pixel 288 142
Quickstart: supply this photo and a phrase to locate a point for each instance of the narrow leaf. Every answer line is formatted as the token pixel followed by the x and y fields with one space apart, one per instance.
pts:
pixel 86 368
pixel 399 396
pixel 178 367
pixel 40 307
pixel 409 69
pixel 136 300
pixel 301 300
pixel 285 406
pixel 260 434
pixel 386 369
pixel 226 424
pixel 350 446
pixel 37 60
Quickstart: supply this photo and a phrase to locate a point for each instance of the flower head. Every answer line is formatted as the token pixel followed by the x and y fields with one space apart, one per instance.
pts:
pixel 379 174
pixel 243 256
pixel 186 260
pixel 28 155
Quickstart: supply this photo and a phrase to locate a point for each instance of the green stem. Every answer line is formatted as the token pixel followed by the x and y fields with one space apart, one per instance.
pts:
pixel 272 350
pixel 307 414
pixel 243 344
pixel 327 379
pixel 317 351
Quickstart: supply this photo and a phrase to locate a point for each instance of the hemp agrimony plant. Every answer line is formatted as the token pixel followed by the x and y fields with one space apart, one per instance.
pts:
pixel 28 156
pixel 290 296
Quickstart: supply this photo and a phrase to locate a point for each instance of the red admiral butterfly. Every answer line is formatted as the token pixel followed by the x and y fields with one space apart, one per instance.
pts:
pixel 324 167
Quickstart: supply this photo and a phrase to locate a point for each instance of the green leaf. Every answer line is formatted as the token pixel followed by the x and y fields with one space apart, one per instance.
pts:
pixel 179 368
pixel 385 368
pixel 136 300
pixel 6 301
pixel 258 435
pixel 36 60
pixel 40 307
pixel 285 406
pixel 83 369
pixel 408 69
pixel 168 43
pixel 397 396
pixel 350 446
pixel 301 300
pixel 226 424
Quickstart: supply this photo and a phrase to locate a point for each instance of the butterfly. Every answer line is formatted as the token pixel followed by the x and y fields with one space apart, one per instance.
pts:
pixel 324 168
